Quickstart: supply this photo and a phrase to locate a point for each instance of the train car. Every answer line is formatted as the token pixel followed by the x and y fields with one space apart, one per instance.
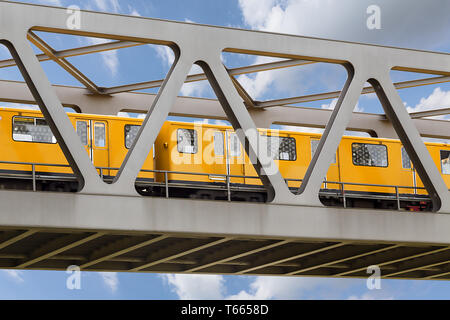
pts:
pixel 26 138
pixel 208 153
pixel 208 161
pixel 370 171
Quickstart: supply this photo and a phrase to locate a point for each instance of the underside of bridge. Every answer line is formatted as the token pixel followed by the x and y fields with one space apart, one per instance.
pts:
pixel 54 231
pixel 110 227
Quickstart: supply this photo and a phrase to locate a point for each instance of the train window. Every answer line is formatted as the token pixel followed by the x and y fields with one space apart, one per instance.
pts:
pixel 371 155
pixel 82 132
pixel 314 145
pixel 406 161
pixel 281 148
pixel 218 143
pixel 445 161
pixel 187 141
pixel 32 130
pixel 99 134
pixel 235 145
pixel 131 131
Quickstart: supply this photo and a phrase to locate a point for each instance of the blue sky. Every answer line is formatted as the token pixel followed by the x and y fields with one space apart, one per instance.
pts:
pixel 419 25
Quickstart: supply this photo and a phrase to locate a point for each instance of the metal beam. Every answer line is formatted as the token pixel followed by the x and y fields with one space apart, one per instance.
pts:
pixel 244 95
pixel 329 260
pixel 189 216
pixel 96 48
pixel 126 245
pixel 79 99
pixel 270 261
pixel 17 238
pixel 58 246
pixel 421 264
pixel 202 76
pixel 224 257
pixel 430 113
pixel 373 260
pixel 155 259
pixel 437 275
pixel 66 65
pixel 114 45
pixel 335 94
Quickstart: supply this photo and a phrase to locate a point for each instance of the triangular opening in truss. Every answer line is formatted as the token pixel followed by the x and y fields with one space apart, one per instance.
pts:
pixel 271 82
pixel 198 154
pixel 379 172
pixel 104 66
pixel 285 92
pixel 367 165
pixel 123 77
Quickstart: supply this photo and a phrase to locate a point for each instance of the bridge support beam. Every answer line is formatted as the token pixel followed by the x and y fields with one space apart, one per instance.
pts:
pixel 186 216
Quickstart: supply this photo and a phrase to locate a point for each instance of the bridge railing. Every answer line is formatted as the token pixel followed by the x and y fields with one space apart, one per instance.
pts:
pixel 341 192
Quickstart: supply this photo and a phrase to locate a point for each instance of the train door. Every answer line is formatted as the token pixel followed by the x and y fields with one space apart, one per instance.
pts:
pixel 219 166
pixel 408 175
pixel 93 135
pixel 333 173
pixel 235 156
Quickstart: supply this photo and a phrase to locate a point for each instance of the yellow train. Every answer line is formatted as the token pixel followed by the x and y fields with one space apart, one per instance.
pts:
pixel 194 160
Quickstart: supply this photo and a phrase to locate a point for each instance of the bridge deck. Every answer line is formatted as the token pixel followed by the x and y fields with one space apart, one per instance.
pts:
pixel 140 234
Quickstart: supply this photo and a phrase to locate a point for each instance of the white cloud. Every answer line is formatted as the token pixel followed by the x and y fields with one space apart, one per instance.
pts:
pixel 256 85
pixel 329 106
pixel 267 287
pixel 188 89
pixel 193 286
pixel 261 287
pixel 332 105
pixel 437 99
pixel 346 20
pixel 15 275
pixel 111 280
pixel 194 89
pixel 110 58
pixel 256 12
pixel 165 53
pixel 343 20
pixel 293 81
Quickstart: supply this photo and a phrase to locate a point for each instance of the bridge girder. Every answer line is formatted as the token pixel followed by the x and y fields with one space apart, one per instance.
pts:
pixel 54 231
